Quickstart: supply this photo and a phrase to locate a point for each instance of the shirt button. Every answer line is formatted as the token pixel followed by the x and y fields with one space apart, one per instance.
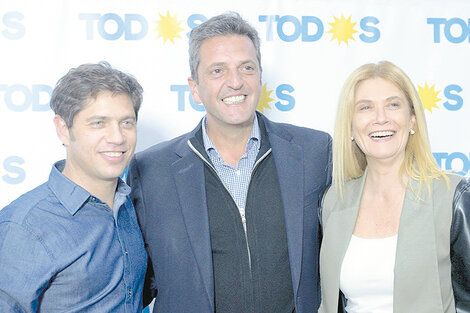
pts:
pixel 237 172
pixel 126 253
pixel 129 292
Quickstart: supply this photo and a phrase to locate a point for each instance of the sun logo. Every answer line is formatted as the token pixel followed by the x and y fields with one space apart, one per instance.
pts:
pixel 342 29
pixel 168 27
pixel 429 97
pixel 264 99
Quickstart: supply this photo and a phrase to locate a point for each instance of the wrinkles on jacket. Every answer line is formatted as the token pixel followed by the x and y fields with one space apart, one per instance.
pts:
pixel 460 246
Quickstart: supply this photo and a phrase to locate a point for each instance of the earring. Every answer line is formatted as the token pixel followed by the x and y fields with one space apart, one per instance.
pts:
pixel 412 132
pixel 352 138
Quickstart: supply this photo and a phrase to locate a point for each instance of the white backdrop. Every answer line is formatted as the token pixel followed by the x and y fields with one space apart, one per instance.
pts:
pixel 308 49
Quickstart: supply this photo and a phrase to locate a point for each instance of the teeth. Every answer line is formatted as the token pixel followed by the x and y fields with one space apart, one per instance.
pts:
pixel 234 99
pixel 382 134
pixel 113 154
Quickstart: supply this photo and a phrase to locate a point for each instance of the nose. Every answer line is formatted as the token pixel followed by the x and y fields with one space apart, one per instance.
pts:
pixel 115 134
pixel 234 79
pixel 381 115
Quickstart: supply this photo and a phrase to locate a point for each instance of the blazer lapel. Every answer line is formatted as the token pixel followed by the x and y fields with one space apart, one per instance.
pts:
pixel 337 235
pixel 289 166
pixel 190 184
pixel 416 268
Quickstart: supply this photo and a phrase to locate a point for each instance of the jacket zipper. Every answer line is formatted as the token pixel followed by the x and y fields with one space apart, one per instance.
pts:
pixel 242 216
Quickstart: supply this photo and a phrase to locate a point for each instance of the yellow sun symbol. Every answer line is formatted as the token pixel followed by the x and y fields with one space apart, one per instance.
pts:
pixel 168 27
pixel 428 96
pixel 342 29
pixel 264 99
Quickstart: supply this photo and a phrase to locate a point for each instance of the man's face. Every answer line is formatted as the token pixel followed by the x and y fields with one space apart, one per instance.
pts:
pixel 101 142
pixel 229 81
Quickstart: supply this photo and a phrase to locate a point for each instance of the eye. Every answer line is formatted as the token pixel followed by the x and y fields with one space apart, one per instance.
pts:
pixel 128 123
pixel 364 107
pixel 97 124
pixel 394 104
pixel 216 71
pixel 248 68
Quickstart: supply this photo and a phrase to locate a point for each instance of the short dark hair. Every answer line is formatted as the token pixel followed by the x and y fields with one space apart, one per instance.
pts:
pixel 230 23
pixel 84 83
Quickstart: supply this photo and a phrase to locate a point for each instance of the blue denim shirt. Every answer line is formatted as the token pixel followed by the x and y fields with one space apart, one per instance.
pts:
pixel 63 250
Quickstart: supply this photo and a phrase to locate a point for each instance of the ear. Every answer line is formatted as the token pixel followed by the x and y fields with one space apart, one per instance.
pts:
pixel 62 130
pixel 194 90
pixel 413 121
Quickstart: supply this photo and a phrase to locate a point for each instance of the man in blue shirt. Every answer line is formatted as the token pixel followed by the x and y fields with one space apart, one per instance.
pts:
pixel 73 244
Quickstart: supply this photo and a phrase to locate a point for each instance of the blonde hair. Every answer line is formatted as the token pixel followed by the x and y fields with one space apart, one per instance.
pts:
pixel 349 161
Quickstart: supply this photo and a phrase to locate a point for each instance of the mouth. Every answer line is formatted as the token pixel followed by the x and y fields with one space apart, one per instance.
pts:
pixel 113 154
pixel 382 134
pixel 234 99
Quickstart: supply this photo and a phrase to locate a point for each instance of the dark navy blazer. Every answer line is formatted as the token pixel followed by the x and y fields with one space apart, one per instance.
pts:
pixel 170 199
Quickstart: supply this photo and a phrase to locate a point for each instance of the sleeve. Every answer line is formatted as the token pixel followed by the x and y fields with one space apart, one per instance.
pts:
pixel 25 268
pixel 326 187
pixel 460 246
pixel 150 291
pixel 134 181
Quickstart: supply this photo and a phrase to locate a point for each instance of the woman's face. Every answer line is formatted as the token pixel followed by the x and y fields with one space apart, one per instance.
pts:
pixel 382 120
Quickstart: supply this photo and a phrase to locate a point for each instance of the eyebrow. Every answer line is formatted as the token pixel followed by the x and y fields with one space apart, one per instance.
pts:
pixel 217 64
pixel 104 117
pixel 224 63
pixel 394 98
pixel 387 99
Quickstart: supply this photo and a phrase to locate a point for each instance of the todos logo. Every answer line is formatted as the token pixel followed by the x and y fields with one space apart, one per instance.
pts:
pixel 454 30
pixel 285 99
pixel 11 26
pixel 111 26
pixel 456 162
pixel 19 98
pixel 453 100
pixel 289 28
pixel 11 172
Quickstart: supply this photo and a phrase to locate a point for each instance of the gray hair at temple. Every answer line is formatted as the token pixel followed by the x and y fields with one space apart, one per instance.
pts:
pixel 229 23
pixel 84 83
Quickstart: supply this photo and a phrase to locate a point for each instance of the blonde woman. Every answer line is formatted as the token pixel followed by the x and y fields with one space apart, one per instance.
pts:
pixel 387 217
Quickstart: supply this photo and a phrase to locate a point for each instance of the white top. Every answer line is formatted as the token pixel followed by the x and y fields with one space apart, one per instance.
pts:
pixel 367 274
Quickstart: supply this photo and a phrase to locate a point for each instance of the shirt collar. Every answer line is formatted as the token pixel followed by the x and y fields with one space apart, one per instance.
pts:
pixel 73 197
pixel 254 136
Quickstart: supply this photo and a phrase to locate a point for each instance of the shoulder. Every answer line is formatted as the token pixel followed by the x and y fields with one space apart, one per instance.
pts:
pixel 440 186
pixel 159 156
pixel 26 206
pixel 314 143
pixel 161 149
pixel 299 133
pixel 334 201
pixel 23 220
pixel 462 191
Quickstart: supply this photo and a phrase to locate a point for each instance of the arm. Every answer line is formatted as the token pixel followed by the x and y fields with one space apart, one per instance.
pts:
pixel 150 291
pixel 460 246
pixel 25 269
pixel 134 181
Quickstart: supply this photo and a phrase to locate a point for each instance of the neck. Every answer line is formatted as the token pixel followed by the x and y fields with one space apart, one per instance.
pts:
pixel 384 177
pixel 103 190
pixel 229 141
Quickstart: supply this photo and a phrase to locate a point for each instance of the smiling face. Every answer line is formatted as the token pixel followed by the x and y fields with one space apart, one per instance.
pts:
pixel 101 142
pixel 382 120
pixel 229 81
